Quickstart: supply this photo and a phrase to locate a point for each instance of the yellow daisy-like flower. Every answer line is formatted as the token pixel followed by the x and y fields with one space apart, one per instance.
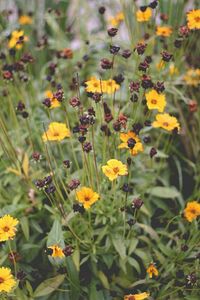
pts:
pixel 17 39
pixel 25 20
pixel 130 139
pixel 87 196
pixel 192 211
pixel 94 85
pixel 140 296
pixel 193 18
pixel 110 86
pixel 152 270
pixel 7 281
pixel 57 251
pixel 115 21
pixel 144 16
pixel 166 122
pixel 114 168
pixel 7 228
pixel 160 65
pixel 164 31
pixel 192 77
pixel 173 70
pixel 56 132
pixel 54 101
pixel 155 100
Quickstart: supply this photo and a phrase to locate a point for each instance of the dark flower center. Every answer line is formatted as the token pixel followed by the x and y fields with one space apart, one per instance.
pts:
pixel 6 229
pixel 197 19
pixel 166 124
pixel 1 280
pixel 153 101
pixel 116 170
pixel 87 198
pixel 56 134
pixel 131 143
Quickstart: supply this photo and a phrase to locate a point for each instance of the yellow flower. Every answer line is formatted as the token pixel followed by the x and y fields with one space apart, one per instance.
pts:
pixel 56 132
pixel 192 77
pixel 25 20
pixel 192 211
pixel 164 31
pixel 193 18
pixel 173 70
pixel 95 85
pixel 114 168
pixel 110 86
pixel 87 196
pixel 152 270
pixel 166 121
pixel 54 101
pixel 17 39
pixel 128 138
pixel 7 228
pixel 161 65
pixel 115 21
pixel 57 251
pixel 7 281
pixel 136 296
pixel 155 100
pixel 144 16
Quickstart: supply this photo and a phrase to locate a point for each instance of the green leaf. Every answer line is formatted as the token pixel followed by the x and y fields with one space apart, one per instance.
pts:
pixel 103 279
pixel 25 227
pixel 119 247
pixel 132 246
pixel 55 236
pixel 48 286
pixel 134 264
pixel 76 259
pixel 164 192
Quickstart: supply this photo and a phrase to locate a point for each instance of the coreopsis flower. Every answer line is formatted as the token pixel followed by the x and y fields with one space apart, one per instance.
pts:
pixel 56 251
pixel 53 100
pixel 140 296
pixel 152 270
pixel 173 70
pixel 87 197
pixel 25 20
pixel 192 211
pixel 155 100
pixel 17 39
pixel 192 77
pixel 164 31
pixel 94 85
pixel 193 19
pixel 117 19
pixel 56 132
pixel 132 142
pixel 144 16
pixel 7 281
pixel 110 86
pixel 7 228
pixel 166 122
pixel 114 168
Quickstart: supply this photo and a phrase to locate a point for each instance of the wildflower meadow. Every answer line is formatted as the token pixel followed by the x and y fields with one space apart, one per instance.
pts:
pixel 99 149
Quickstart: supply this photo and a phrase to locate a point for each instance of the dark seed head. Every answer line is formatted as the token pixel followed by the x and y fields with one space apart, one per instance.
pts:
pixel 137 203
pixel 153 152
pixel 112 31
pixel 131 143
